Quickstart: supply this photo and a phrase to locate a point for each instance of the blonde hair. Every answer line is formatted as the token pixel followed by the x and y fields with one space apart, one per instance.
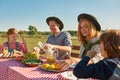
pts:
pixel 93 31
pixel 12 31
pixel 111 42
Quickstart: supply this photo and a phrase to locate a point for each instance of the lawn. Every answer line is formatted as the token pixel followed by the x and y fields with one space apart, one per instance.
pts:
pixel 31 42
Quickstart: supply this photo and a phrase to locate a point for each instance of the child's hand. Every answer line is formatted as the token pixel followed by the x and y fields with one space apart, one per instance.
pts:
pixel 23 40
pixel 91 53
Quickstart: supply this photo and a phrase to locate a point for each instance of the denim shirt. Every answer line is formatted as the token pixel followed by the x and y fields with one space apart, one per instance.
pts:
pixel 63 39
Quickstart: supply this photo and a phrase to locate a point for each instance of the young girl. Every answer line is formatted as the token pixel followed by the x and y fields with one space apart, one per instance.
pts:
pixel 109 67
pixel 12 44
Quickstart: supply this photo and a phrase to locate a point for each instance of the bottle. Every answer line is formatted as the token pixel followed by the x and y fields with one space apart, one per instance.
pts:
pixel 51 53
pixel 41 45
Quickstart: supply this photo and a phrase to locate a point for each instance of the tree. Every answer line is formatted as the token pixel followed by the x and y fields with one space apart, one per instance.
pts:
pixel 21 32
pixel 73 33
pixel 32 30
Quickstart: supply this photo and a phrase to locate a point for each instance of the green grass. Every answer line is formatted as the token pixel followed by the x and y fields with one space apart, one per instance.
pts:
pixel 31 42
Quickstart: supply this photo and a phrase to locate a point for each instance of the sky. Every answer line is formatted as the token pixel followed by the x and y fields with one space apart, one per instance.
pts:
pixel 22 13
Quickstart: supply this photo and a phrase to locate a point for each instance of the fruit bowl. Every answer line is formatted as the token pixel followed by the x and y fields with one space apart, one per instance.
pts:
pixel 19 58
pixel 31 65
pixel 32 62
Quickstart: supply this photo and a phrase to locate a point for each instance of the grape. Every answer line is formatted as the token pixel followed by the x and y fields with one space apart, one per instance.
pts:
pixel 32 55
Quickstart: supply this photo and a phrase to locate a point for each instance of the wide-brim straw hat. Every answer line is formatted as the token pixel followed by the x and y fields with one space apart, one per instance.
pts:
pixel 90 18
pixel 56 20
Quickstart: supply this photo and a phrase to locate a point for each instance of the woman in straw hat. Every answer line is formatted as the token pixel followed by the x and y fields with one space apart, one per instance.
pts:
pixel 88 35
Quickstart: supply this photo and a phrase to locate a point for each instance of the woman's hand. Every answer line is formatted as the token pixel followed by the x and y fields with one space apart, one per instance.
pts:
pixel 64 64
pixel 91 53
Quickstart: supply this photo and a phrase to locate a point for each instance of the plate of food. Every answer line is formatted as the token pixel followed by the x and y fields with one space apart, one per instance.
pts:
pixel 6 55
pixel 13 54
pixel 32 62
pixel 50 67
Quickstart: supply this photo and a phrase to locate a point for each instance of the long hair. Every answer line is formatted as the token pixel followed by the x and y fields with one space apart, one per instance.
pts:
pixel 111 42
pixel 93 31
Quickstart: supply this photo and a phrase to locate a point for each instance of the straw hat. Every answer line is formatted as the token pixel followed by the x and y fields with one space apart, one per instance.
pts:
pixel 91 18
pixel 56 20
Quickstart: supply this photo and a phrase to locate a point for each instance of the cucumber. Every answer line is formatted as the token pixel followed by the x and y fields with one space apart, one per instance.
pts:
pixel 32 61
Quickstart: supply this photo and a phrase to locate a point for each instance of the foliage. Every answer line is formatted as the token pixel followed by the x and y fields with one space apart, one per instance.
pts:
pixel 31 55
pixel 73 33
pixel 21 32
pixel 32 30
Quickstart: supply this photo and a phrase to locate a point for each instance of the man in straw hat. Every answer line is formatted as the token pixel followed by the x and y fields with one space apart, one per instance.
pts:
pixel 58 40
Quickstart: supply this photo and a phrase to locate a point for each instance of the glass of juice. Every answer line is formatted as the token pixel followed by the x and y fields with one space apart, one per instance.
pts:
pixel 52 56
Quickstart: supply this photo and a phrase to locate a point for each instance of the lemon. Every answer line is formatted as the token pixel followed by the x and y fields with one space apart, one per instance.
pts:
pixel 51 67
pixel 45 65
pixel 5 51
pixel 56 67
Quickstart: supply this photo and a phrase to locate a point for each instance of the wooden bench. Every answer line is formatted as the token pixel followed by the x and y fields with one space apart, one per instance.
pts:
pixel 75 51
